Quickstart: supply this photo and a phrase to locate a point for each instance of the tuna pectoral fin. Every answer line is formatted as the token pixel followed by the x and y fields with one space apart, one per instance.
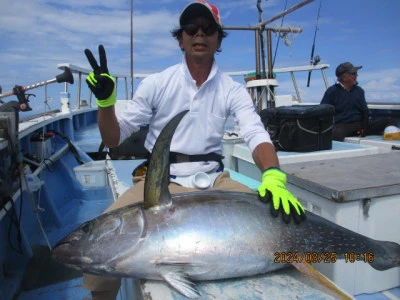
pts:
pixel 311 272
pixel 175 276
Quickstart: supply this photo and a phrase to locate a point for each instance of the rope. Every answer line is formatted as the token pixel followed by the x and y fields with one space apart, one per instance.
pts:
pixel 277 41
pixel 32 202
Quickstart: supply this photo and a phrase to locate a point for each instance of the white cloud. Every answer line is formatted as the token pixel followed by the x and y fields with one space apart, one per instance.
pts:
pixel 383 84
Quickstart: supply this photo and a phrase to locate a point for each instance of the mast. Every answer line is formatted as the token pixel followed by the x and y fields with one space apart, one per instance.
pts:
pixel 259 44
pixel 131 49
pixel 260 11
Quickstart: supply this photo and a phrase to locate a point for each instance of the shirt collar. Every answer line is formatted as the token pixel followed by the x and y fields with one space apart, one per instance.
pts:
pixel 213 72
pixel 339 83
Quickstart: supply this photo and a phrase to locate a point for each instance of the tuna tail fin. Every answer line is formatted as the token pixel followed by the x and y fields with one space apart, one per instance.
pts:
pixel 387 258
pixel 311 272
pixel 157 175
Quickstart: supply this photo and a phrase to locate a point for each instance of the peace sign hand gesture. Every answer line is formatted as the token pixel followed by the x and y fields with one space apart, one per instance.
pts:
pixel 100 82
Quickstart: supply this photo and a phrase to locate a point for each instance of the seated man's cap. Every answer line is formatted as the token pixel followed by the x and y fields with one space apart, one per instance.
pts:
pixel 197 9
pixel 346 68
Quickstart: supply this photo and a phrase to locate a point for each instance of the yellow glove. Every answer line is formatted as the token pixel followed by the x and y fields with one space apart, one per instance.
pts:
pixel 273 181
pixel 100 82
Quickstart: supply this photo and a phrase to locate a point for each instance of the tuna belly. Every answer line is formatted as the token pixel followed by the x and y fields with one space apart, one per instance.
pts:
pixel 212 236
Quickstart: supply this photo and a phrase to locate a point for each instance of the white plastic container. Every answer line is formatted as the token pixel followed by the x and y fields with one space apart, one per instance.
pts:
pixel 41 149
pixel 32 180
pixel 230 139
pixel 92 174
pixel 284 100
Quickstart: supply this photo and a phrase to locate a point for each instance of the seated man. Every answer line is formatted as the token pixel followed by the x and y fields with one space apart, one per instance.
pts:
pixel 351 111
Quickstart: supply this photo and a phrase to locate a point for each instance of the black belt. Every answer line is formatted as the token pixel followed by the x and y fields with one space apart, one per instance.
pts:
pixel 175 157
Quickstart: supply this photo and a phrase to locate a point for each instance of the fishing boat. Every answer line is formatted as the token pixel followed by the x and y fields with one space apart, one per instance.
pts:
pixel 56 174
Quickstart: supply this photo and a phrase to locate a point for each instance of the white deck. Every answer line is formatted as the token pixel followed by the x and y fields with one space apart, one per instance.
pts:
pixel 375 141
pixel 244 163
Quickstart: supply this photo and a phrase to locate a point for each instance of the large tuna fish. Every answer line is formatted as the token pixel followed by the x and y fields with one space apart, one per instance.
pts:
pixel 207 235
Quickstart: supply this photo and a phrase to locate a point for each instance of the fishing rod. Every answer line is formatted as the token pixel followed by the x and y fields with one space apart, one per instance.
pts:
pixel 19 91
pixel 63 77
pixel 317 59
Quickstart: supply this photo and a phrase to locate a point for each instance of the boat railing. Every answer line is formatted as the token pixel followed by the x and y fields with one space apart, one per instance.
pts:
pixel 291 71
pixel 262 82
pixel 83 71
pixel 23 98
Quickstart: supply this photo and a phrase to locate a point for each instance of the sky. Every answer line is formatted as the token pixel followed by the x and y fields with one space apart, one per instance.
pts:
pixel 38 35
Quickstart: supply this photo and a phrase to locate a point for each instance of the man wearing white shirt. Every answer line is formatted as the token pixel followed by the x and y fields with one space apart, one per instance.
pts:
pixel 211 96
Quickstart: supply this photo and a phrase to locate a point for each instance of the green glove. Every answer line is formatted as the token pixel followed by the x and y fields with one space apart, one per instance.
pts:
pixel 100 82
pixel 274 182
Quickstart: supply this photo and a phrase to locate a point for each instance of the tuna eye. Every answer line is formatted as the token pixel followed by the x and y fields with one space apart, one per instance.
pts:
pixel 85 227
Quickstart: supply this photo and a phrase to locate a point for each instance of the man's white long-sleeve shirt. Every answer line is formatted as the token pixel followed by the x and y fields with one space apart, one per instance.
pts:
pixel 161 96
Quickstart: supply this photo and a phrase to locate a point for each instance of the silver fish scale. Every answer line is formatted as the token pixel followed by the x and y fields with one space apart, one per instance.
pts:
pixel 194 232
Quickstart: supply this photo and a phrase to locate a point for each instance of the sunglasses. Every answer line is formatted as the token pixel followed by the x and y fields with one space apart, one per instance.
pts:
pixel 208 29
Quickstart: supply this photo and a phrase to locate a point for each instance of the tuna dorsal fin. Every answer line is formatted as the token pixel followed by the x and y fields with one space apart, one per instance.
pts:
pixel 157 176
pixel 310 271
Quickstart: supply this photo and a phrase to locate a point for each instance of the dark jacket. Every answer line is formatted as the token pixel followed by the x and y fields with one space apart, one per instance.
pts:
pixel 350 106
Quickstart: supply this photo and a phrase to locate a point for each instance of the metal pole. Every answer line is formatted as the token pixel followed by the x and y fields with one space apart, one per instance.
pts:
pixel 289 10
pixel 262 54
pixel 126 88
pixel 258 74
pixel 240 27
pixel 257 46
pixel 260 33
pixel 269 38
pixel 79 90
pixel 286 29
pixel 295 86
pixel 273 29
pixel 131 49
pixel 270 70
pixel 324 77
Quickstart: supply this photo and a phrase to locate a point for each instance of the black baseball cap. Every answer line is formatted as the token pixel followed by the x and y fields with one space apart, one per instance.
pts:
pixel 346 67
pixel 200 8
